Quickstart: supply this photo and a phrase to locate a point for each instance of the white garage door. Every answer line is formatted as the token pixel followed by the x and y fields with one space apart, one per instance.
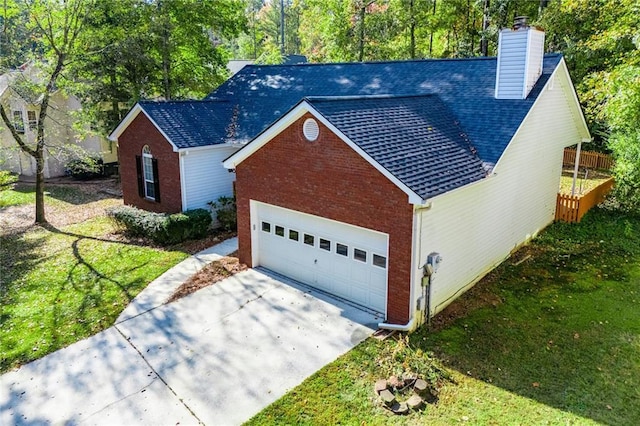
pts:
pixel 342 259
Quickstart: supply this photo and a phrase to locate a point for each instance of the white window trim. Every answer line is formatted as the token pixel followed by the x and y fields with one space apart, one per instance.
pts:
pixel 146 153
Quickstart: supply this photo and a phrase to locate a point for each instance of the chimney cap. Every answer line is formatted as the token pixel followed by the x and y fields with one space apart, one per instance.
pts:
pixel 520 22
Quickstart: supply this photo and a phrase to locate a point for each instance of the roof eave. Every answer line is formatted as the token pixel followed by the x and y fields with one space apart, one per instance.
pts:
pixel 128 119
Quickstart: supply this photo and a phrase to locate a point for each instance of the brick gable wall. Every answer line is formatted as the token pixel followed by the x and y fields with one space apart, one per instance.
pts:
pixel 139 133
pixel 327 178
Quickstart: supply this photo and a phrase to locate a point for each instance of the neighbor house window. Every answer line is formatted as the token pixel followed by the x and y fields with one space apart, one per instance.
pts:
pixel 33 120
pixel 148 182
pixel 18 121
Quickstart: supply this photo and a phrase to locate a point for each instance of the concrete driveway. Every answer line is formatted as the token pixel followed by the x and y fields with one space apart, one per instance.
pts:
pixel 218 356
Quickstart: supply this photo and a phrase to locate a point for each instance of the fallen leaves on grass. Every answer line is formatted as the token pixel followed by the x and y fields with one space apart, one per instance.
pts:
pixel 212 273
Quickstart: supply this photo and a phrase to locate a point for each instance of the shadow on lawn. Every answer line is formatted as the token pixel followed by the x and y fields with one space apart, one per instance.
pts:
pixel 567 332
pixel 83 294
pixel 74 192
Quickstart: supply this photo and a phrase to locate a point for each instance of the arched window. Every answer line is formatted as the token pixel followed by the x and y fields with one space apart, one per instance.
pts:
pixel 148 185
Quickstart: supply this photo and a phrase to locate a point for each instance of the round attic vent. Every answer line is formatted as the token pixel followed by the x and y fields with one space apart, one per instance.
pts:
pixel 310 129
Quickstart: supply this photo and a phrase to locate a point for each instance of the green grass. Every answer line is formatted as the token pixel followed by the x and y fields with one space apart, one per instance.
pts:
pixel 55 195
pixel 60 286
pixel 562 346
pixel 582 185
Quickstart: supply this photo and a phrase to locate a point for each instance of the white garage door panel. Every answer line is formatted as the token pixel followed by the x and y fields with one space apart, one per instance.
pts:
pixel 345 276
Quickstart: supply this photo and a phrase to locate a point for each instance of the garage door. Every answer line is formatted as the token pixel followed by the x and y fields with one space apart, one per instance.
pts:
pixel 342 259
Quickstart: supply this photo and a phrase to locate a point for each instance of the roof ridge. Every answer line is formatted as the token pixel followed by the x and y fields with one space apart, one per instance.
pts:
pixel 387 61
pixel 181 101
pixel 368 97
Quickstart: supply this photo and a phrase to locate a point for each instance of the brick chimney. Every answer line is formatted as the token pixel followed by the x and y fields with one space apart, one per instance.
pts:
pixel 520 55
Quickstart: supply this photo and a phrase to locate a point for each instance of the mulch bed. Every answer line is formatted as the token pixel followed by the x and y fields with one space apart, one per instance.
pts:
pixel 212 273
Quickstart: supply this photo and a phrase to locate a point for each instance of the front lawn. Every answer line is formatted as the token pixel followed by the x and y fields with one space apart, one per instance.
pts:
pixel 60 285
pixel 552 336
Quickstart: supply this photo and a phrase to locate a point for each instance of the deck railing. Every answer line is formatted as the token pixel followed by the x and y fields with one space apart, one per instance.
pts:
pixel 571 208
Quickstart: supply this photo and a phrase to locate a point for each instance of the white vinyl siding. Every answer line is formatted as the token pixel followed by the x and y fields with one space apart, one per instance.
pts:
pixel 478 226
pixel 204 177
pixel 520 57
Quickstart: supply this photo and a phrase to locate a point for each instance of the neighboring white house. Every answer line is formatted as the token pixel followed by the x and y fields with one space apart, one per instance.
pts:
pixel 63 142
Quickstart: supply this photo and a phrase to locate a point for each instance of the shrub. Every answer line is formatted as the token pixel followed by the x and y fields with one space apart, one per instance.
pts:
pixel 226 213
pixel 84 168
pixel 7 179
pixel 162 228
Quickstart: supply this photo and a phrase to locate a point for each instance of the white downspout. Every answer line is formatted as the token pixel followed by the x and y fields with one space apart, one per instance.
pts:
pixel 575 169
pixel 410 325
pixel 397 327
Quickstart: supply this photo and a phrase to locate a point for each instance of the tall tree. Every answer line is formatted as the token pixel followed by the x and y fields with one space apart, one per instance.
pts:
pixel 57 25
pixel 137 49
pixel 15 34
pixel 601 43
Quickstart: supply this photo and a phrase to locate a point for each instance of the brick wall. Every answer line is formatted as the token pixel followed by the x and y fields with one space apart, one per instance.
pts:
pixel 142 132
pixel 327 178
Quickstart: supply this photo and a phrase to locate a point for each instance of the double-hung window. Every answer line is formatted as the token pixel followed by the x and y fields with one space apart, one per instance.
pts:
pixel 147 168
pixel 149 178
pixel 18 121
pixel 33 120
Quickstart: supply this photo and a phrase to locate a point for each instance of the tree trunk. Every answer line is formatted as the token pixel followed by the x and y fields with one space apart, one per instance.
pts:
pixel 432 31
pixel 166 64
pixel 40 216
pixel 39 151
pixel 484 42
pixel 363 11
pixel 115 104
pixel 412 31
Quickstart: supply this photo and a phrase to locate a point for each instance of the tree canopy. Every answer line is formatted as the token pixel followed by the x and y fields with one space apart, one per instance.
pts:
pixel 175 49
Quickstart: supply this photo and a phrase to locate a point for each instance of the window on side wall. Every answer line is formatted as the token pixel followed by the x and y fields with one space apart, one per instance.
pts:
pixel 148 182
pixel 18 121
pixel 33 120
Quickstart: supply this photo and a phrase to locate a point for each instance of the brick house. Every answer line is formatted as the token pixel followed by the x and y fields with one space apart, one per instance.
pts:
pixel 393 185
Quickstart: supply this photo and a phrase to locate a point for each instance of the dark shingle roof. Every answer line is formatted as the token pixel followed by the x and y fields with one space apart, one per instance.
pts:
pixel 262 94
pixel 191 124
pixel 417 139
pixel 434 124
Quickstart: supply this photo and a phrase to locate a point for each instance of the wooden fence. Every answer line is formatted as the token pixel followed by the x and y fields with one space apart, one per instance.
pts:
pixel 588 159
pixel 571 208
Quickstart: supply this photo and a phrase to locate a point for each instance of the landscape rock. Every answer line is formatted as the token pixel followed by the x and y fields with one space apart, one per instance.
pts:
pixel 380 386
pixel 415 402
pixel 420 385
pixel 400 408
pixel 387 397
